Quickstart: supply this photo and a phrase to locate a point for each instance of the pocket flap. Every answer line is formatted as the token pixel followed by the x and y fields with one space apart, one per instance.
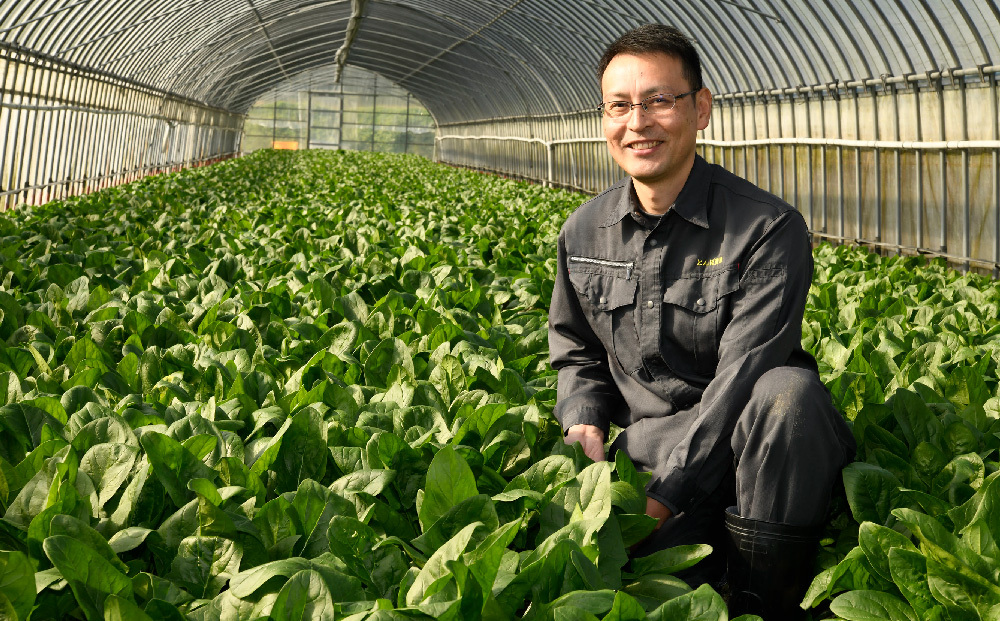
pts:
pixel 701 294
pixel 605 292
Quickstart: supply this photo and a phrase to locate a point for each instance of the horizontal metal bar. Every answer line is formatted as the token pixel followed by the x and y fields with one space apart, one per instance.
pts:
pixel 905 145
pixel 510 138
pixel 521 117
pixel 864 83
pixel 185 164
pixel 579 141
pixel 919 251
pixel 156 117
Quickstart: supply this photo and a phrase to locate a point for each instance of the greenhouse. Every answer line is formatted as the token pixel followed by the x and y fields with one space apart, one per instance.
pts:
pixel 290 305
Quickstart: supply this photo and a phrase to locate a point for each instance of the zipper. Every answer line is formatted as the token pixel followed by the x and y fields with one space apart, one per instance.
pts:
pixel 628 265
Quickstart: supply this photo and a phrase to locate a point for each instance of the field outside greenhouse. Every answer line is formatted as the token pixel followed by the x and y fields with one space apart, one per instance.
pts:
pixel 278 387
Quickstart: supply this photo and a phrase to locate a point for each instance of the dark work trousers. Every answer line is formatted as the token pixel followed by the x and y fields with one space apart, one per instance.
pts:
pixel 788 447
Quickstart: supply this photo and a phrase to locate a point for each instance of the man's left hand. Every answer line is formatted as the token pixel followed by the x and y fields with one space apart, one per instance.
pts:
pixel 657 509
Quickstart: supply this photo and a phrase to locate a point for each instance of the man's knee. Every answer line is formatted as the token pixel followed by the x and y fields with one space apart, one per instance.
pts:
pixel 788 388
pixel 788 400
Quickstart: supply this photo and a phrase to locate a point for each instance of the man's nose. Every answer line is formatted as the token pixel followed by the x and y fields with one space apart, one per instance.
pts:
pixel 638 118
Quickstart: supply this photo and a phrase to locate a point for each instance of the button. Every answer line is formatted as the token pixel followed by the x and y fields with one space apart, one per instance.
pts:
pixel 653 242
pixel 700 302
pixel 649 304
pixel 603 300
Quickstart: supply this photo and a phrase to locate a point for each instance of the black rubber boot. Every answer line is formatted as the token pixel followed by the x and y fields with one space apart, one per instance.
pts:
pixel 770 567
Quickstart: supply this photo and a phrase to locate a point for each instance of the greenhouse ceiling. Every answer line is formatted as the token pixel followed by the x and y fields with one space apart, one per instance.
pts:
pixel 478 59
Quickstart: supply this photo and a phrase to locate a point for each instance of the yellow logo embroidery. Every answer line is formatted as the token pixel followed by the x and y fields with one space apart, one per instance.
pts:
pixel 715 261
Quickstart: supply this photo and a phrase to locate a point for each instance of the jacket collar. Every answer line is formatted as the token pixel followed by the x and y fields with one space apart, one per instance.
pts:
pixel 691 204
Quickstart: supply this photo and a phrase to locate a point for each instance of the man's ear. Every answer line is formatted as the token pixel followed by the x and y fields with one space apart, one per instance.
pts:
pixel 703 103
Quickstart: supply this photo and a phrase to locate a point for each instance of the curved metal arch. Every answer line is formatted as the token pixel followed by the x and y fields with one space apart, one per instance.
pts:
pixel 43 30
pixel 965 31
pixel 140 47
pixel 222 43
pixel 913 33
pixel 512 38
pixel 88 20
pixel 800 61
pixel 840 66
pixel 714 66
pixel 456 72
pixel 214 19
pixel 486 38
pixel 903 62
pixel 239 35
pixel 990 26
pixel 120 29
pixel 459 72
pixel 322 59
pixel 873 21
pixel 557 80
pixel 20 17
pixel 96 22
pixel 524 39
pixel 256 61
pixel 517 26
pixel 462 83
pixel 804 33
pixel 760 30
pixel 849 43
pixel 709 26
pixel 937 34
pixel 767 62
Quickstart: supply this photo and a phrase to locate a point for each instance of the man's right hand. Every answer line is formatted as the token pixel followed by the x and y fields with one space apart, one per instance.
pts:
pixel 590 437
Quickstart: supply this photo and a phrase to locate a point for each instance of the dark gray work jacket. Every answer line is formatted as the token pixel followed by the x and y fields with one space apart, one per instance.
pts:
pixel 680 319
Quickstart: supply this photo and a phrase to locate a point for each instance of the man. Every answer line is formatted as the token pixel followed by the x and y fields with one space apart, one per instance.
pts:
pixel 677 315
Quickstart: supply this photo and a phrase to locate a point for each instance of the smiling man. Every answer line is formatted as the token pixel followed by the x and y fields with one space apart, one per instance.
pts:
pixel 677 315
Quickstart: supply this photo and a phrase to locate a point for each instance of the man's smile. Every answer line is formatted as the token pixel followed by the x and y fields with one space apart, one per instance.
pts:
pixel 644 145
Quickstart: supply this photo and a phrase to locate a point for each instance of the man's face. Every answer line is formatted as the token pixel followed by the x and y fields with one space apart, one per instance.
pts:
pixel 653 148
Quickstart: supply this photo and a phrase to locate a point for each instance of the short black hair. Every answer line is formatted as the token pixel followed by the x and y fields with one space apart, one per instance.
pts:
pixel 653 39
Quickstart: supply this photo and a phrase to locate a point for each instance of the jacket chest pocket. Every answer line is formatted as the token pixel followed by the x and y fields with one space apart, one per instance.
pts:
pixel 606 290
pixel 695 312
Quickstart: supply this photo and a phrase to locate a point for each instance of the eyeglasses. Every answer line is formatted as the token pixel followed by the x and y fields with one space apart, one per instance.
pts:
pixel 654 104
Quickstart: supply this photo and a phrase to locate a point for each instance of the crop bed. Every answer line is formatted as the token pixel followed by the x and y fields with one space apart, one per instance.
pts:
pixel 282 386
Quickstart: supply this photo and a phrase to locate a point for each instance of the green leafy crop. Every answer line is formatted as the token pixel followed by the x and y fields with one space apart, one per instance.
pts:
pixel 279 387
pixel 909 350
pixel 316 386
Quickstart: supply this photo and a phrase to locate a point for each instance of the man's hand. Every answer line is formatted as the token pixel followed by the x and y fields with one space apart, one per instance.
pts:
pixel 590 437
pixel 656 509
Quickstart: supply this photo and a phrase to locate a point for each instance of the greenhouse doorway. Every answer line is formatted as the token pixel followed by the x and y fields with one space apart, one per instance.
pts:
pixel 326 113
pixel 363 111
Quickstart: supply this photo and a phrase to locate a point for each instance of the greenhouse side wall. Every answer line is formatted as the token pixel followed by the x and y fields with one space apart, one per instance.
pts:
pixel 68 130
pixel 902 164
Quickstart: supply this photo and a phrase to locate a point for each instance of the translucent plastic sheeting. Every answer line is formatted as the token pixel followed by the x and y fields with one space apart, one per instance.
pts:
pixel 477 59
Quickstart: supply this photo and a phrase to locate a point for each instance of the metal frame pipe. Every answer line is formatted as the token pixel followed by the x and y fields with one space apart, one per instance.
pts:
pixel 943 159
pixel 966 193
pixel 897 166
pixel 878 166
pixel 859 231
pixel 994 105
